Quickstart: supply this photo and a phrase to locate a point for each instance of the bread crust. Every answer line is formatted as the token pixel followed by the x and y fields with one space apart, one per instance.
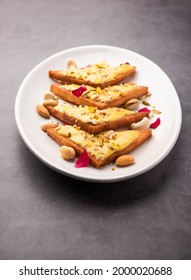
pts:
pixel 68 96
pixel 61 140
pixel 57 76
pixel 97 128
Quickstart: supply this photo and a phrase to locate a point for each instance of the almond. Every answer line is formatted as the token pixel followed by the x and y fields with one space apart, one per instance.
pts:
pixel 49 95
pixel 50 102
pixel 124 160
pixel 43 111
pixel 48 125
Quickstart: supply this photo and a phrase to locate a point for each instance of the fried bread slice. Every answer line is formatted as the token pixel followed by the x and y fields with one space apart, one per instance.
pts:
pixel 103 148
pixel 97 75
pixel 93 120
pixel 112 96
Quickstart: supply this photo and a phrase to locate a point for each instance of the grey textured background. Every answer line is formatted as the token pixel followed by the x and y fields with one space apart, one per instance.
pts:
pixel 44 215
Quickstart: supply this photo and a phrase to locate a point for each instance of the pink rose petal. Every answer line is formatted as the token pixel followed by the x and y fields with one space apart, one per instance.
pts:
pixel 155 124
pixel 78 92
pixel 86 66
pixel 83 160
pixel 145 109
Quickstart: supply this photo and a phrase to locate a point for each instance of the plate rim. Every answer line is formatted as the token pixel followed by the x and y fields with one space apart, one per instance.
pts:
pixel 84 177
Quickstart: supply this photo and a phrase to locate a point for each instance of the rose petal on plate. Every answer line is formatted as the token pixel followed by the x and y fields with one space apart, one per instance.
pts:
pixel 83 160
pixel 86 66
pixel 78 92
pixel 144 109
pixel 155 124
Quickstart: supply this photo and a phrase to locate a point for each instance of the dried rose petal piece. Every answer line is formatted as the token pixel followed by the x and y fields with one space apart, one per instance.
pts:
pixel 145 109
pixel 155 124
pixel 78 92
pixel 83 160
pixel 86 66
pixel 127 63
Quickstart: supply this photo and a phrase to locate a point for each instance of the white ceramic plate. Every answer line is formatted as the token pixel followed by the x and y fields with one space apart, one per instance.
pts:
pixel 148 155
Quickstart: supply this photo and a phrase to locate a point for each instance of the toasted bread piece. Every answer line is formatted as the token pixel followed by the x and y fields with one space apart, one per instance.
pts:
pixel 97 75
pixel 112 96
pixel 93 120
pixel 103 148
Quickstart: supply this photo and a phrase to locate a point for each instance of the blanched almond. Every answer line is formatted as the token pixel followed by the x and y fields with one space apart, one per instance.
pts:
pixel 50 102
pixel 43 111
pixel 67 153
pixel 124 160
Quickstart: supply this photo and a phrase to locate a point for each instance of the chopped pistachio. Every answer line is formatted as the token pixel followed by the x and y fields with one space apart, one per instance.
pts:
pixel 91 109
pixel 101 142
pixel 98 89
pixel 114 136
pixel 96 117
pixel 114 146
pixel 146 103
pixel 155 112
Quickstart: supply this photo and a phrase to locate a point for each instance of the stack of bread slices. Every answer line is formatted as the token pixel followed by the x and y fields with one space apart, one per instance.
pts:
pixel 101 116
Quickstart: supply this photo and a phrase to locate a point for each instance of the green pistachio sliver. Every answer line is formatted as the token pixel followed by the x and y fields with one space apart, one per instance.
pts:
pixel 101 142
pixel 86 92
pixel 96 117
pixel 114 136
pixel 98 90
pixel 156 111
pixel 146 103
pixel 114 146
pixel 91 109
